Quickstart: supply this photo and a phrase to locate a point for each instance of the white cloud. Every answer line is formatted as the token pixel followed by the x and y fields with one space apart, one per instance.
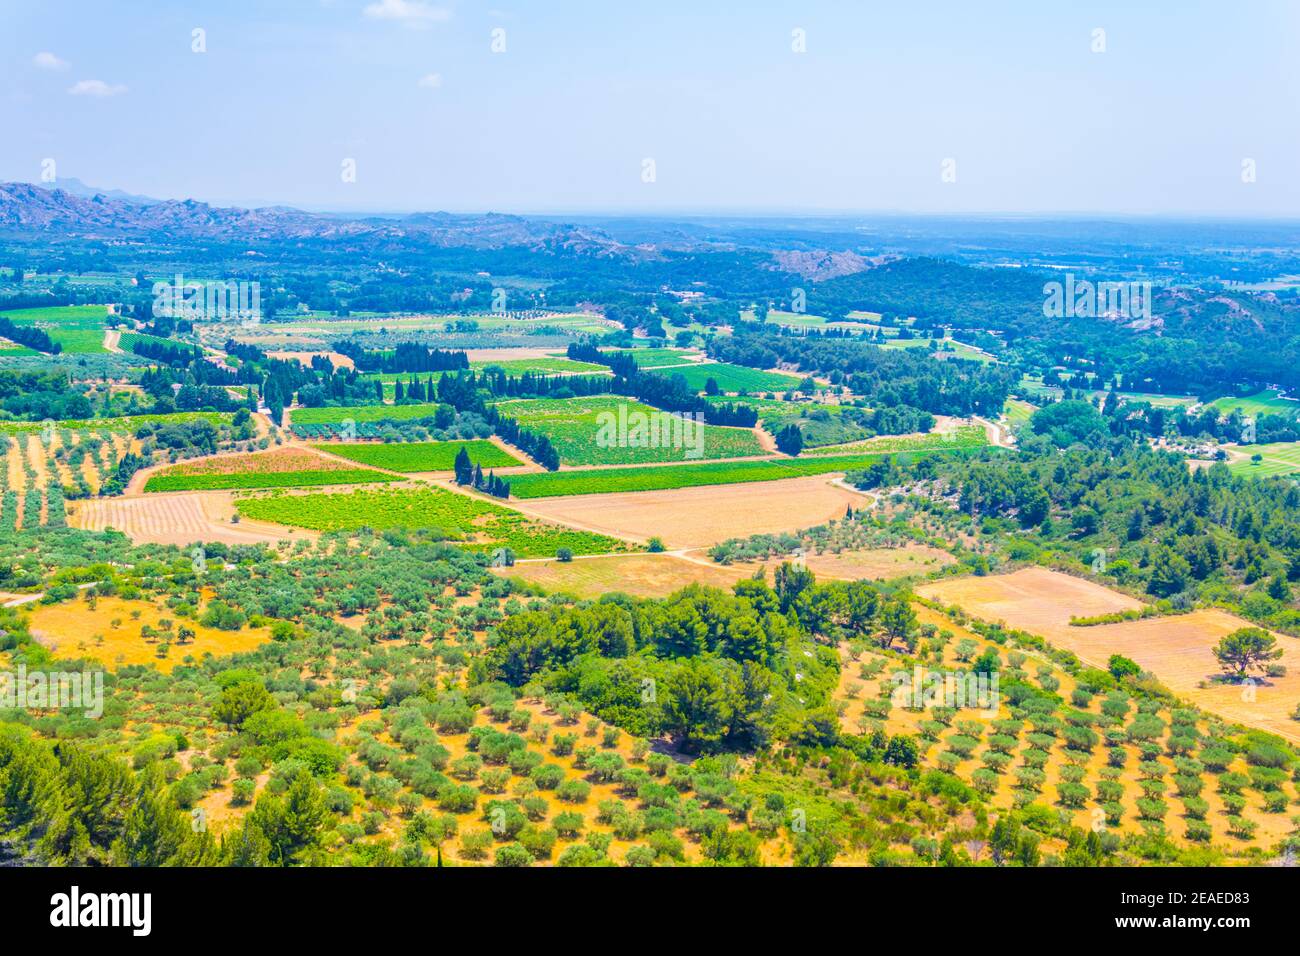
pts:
pixel 48 61
pixel 95 88
pixel 432 81
pixel 412 12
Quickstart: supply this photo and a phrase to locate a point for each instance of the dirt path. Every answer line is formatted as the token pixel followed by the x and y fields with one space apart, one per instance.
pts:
pixel 996 433
pixel 514 505
pixel 112 341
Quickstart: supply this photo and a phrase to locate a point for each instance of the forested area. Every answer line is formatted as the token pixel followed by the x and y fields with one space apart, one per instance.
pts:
pixel 881 376
pixel 1075 490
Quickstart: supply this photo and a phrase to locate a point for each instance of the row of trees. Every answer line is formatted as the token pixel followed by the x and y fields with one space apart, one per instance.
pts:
pixel 404 357
pixel 471 474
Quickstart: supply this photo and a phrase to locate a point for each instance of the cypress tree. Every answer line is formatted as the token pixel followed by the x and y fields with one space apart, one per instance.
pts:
pixel 464 468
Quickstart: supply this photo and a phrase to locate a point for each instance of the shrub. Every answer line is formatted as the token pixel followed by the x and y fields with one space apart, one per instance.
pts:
pixel 512 854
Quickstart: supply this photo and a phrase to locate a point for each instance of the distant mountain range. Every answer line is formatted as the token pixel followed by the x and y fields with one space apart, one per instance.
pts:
pixel 72 209
pixel 76 187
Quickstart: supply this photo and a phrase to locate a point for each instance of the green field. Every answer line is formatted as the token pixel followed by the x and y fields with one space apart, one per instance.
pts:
pixel 942 347
pixel 1276 459
pixel 129 337
pixel 360 413
pixel 1261 403
pixel 773 407
pixel 1018 412
pixel 542 365
pixel 10 349
pixel 962 350
pixel 963 438
pixel 803 320
pixel 658 358
pixel 458 517
pixel 576 427
pixel 794 320
pixel 60 316
pixel 80 341
pixel 734 378
pixel 599 481
pixel 78 328
pixel 127 423
pixel 421 456
pixel 264 479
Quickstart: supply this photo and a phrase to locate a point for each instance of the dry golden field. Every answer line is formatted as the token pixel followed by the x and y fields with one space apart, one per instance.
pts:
pixel 878 564
pixel 658 575
pixel 1178 649
pixel 641 575
pixel 338 359
pixel 72 629
pixel 704 516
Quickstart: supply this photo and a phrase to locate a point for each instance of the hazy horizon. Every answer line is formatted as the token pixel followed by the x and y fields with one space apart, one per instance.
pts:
pixel 1158 117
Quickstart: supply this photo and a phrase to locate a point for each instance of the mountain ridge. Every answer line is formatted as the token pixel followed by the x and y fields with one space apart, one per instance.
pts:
pixel 86 213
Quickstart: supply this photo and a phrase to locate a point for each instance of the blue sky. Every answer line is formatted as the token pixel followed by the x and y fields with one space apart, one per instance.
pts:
pixel 714 94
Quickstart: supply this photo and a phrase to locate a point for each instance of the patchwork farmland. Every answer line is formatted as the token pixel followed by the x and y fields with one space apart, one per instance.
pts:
pixel 609 430
pixel 456 517
pixel 411 457
pixel 312 535
pixel 279 468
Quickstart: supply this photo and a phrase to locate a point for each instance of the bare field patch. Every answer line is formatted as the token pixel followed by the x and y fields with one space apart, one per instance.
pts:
pixel 510 354
pixel 658 575
pixel 294 458
pixel 304 358
pixel 1178 650
pixel 1037 600
pixel 180 519
pixel 641 575
pixel 702 517
pixel 878 564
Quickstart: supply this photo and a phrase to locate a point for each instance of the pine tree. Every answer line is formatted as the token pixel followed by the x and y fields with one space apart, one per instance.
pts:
pixel 247 847
pixel 156 833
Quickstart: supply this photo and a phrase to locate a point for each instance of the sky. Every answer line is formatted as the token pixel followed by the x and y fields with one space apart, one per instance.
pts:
pixel 677 106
